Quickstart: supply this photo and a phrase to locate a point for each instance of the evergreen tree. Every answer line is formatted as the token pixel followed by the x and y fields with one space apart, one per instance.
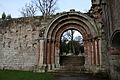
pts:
pixel 3 16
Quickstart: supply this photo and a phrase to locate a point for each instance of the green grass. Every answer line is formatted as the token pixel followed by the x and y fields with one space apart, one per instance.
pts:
pixel 24 75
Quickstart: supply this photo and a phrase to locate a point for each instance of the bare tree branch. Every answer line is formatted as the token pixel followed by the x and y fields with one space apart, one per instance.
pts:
pixel 29 10
pixel 46 7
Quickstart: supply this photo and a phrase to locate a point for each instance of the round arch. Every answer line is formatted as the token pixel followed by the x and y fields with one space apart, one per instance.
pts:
pixel 73 17
pixel 115 43
pixel 115 39
pixel 71 20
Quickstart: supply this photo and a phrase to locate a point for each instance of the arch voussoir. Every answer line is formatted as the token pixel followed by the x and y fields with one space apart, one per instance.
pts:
pixel 77 21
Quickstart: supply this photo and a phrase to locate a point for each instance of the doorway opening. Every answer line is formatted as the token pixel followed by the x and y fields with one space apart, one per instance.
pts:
pixel 116 40
pixel 71 43
pixel 72 50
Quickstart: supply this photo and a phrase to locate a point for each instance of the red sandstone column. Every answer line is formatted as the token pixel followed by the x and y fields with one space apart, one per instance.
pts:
pixel 86 52
pixel 45 53
pixel 100 55
pixel 57 53
pixel 94 52
pixel 97 52
pixel 49 54
pixel 53 53
pixel 89 52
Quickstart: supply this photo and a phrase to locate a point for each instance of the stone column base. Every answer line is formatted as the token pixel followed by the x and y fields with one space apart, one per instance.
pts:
pixel 57 65
pixel 47 67
pixel 53 66
pixel 40 68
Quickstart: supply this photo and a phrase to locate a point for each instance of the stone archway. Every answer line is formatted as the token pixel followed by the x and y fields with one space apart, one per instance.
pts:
pixel 82 23
pixel 115 43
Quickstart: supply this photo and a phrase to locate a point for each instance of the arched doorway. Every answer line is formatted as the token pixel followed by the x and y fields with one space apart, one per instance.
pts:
pixel 116 39
pixel 72 51
pixel 77 21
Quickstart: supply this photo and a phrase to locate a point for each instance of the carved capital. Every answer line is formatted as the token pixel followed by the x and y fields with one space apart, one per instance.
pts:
pixel 41 33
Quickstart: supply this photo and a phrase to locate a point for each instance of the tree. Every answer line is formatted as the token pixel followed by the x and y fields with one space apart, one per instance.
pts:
pixel 64 47
pixel 3 16
pixel 71 43
pixel 28 10
pixel 69 36
pixel 46 7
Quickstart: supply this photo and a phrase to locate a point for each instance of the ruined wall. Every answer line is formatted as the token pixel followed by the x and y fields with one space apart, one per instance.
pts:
pixel 19 42
pixel 21 39
pixel 115 59
pixel 111 22
pixel 99 12
pixel 115 10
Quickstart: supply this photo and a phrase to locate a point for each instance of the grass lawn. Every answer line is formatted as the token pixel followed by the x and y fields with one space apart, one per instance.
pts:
pixel 24 75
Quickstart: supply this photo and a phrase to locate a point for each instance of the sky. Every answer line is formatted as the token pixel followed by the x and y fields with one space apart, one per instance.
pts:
pixel 13 7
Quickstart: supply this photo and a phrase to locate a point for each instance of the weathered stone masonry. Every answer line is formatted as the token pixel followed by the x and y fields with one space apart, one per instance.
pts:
pixel 19 43
pixel 34 43
pixel 111 21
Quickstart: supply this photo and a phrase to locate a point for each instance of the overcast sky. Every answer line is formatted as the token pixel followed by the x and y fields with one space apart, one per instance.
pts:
pixel 13 6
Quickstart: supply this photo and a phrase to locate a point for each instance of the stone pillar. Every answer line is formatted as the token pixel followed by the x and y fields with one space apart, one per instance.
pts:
pixel 57 54
pixel 53 53
pixel 92 52
pixel 97 52
pixel 40 56
pixel 45 53
pixel 88 50
pixel 41 52
pixel 86 54
pixel 100 52
pixel 49 54
pixel 38 51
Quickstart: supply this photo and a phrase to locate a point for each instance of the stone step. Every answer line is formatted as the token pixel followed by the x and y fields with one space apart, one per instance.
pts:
pixel 72 57
pixel 77 69
pixel 72 60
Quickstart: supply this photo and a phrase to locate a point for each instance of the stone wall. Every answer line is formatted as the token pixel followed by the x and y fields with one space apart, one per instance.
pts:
pixel 115 59
pixel 19 43
pixel 19 38
pixel 111 22
pixel 25 42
